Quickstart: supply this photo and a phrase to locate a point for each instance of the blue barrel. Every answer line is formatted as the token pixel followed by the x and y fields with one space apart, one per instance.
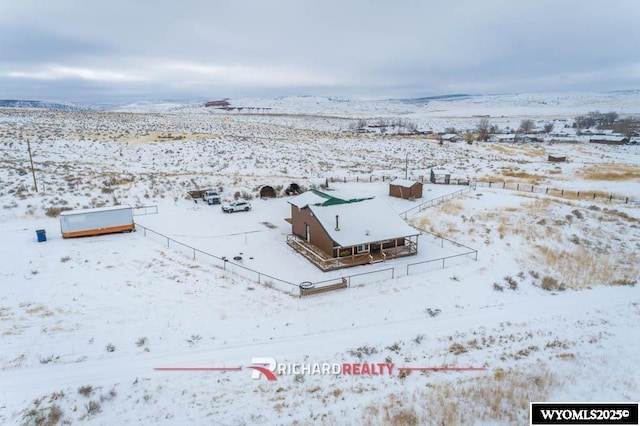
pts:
pixel 42 235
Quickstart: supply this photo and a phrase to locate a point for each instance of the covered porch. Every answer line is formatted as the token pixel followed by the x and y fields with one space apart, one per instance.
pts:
pixel 362 254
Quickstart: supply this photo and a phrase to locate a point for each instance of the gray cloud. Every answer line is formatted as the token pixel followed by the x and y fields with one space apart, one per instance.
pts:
pixel 72 49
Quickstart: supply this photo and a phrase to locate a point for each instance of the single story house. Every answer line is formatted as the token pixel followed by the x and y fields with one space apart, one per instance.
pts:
pixel 334 233
pixel 610 140
pixel 450 137
pixel 406 189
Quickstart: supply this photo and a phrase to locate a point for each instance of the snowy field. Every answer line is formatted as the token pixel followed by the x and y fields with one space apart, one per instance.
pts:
pixel 548 312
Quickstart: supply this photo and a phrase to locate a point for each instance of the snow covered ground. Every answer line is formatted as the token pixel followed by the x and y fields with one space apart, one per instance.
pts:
pixel 549 311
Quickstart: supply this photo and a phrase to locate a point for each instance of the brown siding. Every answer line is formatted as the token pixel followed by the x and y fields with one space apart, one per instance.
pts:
pixel 319 238
pixel 414 191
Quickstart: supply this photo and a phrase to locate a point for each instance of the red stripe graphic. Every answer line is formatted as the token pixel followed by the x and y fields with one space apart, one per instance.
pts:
pixel 267 373
pixel 197 368
pixel 442 368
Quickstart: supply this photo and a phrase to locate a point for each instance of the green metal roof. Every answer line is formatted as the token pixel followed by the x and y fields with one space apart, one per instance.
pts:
pixel 334 201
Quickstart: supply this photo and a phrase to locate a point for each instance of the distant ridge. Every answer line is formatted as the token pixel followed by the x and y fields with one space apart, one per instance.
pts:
pixel 54 106
pixel 426 99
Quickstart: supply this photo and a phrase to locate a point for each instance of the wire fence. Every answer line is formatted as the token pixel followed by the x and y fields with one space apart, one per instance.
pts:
pixel 436 201
pixel 219 261
pixel 565 193
pixel 304 288
pixel 144 210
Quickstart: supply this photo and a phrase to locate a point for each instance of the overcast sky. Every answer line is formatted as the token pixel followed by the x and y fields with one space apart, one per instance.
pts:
pixel 116 50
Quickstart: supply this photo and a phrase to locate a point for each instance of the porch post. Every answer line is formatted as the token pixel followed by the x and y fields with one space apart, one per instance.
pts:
pixel 353 260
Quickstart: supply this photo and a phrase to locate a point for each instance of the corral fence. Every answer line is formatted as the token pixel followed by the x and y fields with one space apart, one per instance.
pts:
pixel 308 288
pixel 437 200
pixel 221 262
pixel 389 178
pixel 144 210
pixel 565 193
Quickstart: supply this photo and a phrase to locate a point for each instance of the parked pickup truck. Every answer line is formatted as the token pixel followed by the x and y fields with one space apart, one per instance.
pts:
pixel 211 197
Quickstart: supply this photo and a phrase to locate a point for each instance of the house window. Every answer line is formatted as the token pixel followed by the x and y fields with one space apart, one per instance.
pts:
pixel 307 232
pixel 362 248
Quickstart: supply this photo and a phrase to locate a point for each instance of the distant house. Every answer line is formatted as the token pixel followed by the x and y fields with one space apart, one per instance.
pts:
pixel 557 159
pixel 510 137
pixel 406 189
pixel 334 233
pixel 610 140
pixel 450 137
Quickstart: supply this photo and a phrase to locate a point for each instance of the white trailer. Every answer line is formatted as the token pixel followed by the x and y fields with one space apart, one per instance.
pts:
pixel 103 220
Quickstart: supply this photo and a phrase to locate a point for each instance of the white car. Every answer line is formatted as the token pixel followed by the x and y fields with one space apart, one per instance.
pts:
pixel 237 206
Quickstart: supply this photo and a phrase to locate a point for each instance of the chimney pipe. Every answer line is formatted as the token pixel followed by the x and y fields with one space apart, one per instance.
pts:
pixel 337 223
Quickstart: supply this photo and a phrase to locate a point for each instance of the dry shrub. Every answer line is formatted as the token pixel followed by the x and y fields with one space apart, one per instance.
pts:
pixel 55 211
pixel 499 397
pixel 457 349
pixel 452 208
pixel 581 267
pixel 610 172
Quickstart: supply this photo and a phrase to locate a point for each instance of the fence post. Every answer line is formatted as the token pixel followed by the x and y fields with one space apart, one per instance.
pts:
pixel 562 193
pixel 194 254
pixel 504 184
pixel 443 263
pixel 594 195
pixel 531 188
pixel 259 278
pixel 490 184
pixel 357 179
pixel 547 191
pixel 441 242
pixel 345 179
pixel 610 197
pixel 577 194
pixel 626 201
pixel 518 187
pixel 167 242
pixel 393 273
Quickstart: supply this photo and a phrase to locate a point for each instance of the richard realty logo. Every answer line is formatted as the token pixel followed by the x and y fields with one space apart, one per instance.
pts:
pixel 270 369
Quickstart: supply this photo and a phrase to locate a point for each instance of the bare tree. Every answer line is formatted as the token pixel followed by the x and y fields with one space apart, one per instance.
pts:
pixel 483 129
pixel 526 126
pixel 548 127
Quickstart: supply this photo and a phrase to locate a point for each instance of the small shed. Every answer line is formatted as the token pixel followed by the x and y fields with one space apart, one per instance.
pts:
pixel 268 192
pixel 440 176
pixel 557 159
pixel 104 220
pixel 406 189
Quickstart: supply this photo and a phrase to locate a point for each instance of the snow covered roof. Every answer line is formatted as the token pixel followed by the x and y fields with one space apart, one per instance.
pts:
pixel 362 222
pixel 440 171
pixel 315 197
pixel 310 197
pixel 95 210
pixel 448 136
pixel 404 183
pixel 612 138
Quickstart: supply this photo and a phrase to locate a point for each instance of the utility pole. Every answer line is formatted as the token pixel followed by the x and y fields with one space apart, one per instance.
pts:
pixel 35 183
pixel 406 167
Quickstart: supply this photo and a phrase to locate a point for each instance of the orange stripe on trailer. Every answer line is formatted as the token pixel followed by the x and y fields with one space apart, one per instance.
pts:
pixel 99 231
